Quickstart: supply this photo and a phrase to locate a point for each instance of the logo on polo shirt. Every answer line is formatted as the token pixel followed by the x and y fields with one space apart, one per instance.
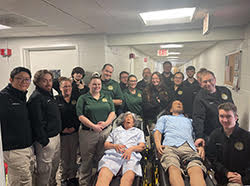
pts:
pixel 224 96
pixel 180 92
pixel 166 93
pixel 239 146
pixel 139 95
pixel 73 102
pixel 110 87
pixel 104 100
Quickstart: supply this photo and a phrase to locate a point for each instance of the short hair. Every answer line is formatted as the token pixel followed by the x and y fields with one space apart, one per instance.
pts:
pixel 95 75
pixel 132 75
pixel 167 62
pixel 146 69
pixel 228 106
pixel 123 72
pixel 190 68
pixel 201 70
pixel 78 70
pixel 207 72
pixel 179 73
pixel 107 64
pixel 39 74
pixel 61 79
pixel 17 70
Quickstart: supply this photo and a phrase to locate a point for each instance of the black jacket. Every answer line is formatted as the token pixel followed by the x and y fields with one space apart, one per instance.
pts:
pixel 68 113
pixel 141 85
pixel 14 117
pixel 205 112
pixel 230 154
pixel 45 115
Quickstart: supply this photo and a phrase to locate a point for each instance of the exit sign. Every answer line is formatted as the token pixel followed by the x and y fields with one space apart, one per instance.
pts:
pixel 162 52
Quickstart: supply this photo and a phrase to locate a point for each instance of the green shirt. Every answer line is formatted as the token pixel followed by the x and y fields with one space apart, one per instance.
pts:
pixel 133 102
pixel 94 110
pixel 112 88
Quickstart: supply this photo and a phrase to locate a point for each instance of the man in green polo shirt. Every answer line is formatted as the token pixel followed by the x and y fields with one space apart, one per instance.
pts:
pixel 111 87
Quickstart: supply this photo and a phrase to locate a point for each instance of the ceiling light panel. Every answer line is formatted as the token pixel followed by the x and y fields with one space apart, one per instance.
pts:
pixel 172 16
pixel 172 46
pixel 4 27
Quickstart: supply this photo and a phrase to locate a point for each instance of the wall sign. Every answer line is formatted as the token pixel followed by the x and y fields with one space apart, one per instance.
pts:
pixel 6 52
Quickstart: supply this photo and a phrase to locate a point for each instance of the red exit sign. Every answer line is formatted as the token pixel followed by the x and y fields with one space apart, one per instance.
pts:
pixel 5 52
pixel 162 52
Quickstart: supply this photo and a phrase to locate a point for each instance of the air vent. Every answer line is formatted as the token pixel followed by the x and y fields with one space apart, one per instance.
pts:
pixel 14 20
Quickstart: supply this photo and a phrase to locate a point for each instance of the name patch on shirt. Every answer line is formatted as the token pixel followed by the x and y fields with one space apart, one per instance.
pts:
pixel 14 104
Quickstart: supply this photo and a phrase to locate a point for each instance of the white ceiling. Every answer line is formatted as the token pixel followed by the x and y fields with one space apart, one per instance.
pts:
pixel 69 17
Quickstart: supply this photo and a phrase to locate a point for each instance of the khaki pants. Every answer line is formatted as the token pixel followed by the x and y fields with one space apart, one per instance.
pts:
pixel 92 149
pixel 47 159
pixel 20 166
pixel 69 146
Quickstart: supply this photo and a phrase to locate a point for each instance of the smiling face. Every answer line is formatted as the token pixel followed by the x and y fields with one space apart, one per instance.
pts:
pixel 155 80
pixel 227 119
pixel 66 88
pixel 178 79
pixel 77 76
pixel 128 121
pixel 167 68
pixel 132 82
pixel 21 81
pixel 190 73
pixel 107 73
pixel 208 82
pixel 95 85
pixel 46 82
pixel 124 78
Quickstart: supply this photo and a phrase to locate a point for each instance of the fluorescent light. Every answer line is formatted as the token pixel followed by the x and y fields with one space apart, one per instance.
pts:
pixel 174 53
pixel 173 57
pixel 4 27
pixel 172 46
pixel 172 16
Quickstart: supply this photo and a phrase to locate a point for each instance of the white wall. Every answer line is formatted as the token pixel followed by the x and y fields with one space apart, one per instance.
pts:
pixel 214 60
pixel 92 54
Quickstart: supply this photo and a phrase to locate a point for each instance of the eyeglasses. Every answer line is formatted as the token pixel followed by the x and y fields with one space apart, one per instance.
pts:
pixel 67 87
pixel 26 80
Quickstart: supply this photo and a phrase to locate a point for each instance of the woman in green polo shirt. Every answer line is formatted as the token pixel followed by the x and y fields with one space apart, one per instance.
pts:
pixel 133 97
pixel 96 112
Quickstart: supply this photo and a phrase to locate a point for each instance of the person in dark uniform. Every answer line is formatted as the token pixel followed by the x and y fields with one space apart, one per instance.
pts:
pixel 96 112
pixel 146 74
pixel 46 122
pixel 123 76
pixel 205 113
pixel 192 87
pixel 155 98
pixel 78 86
pixel 198 75
pixel 112 87
pixel 167 74
pixel 228 149
pixel 69 135
pixel 16 128
pixel 132 97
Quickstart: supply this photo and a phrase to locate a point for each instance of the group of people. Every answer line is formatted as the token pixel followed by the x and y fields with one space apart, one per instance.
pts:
pixel 185 119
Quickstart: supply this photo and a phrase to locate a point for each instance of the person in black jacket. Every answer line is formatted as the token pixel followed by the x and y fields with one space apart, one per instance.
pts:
pixel 46 121
pixel 78 86
pixel 229 149
pixel 69 135
pixel 167 75
pixel 192 87
pixel 155 98
pixel 16 128
pixel 146 74
pixel 205 112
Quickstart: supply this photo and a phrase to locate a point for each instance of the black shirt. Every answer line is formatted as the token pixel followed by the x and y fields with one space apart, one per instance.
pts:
pixel 45 115
pixel 141 85
pixel 68 113
pixel 230 153
pixel 168 81
pixel 123 86
pixel 205 112
pixel 76 92
pixel 14 117
pixel 191 90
